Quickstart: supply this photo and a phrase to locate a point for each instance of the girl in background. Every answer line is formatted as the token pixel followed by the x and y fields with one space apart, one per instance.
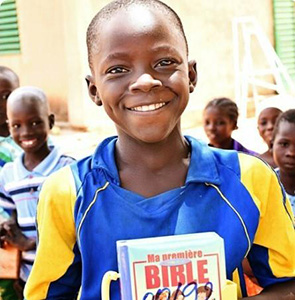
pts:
pixel 220 119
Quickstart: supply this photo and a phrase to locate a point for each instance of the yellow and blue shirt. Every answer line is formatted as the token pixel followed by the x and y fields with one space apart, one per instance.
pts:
pixel 83 211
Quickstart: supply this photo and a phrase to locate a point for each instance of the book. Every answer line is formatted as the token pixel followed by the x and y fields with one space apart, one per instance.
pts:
pixel 9 262
pixel 189 266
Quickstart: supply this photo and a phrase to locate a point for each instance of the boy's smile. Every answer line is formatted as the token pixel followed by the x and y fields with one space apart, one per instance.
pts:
pixel 150 107
pixel 141 74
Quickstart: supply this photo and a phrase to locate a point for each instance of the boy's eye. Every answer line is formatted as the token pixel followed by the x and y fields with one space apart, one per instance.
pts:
pixel 15 126
pixel 220 123
pixel 5 96
pixel 36 123
pixel 262 123
pixel 284 144
pixel 165 63
pixel 117 70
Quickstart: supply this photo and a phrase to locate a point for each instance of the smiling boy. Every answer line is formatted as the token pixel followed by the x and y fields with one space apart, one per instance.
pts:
pixel 150 180
pixel 21 180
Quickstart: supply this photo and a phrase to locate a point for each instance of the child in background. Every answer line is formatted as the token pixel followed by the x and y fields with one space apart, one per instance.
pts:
pixel 151 180
pixel 20 181
pixel 265 125
pixel 220 118
pixel 9 81
pixel 284 152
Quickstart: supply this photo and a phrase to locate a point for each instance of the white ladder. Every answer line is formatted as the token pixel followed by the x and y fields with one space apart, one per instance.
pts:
pixel 248 77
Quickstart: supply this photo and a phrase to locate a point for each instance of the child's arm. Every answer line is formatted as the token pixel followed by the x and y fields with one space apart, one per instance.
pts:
pixel 11 233
pixel 57 267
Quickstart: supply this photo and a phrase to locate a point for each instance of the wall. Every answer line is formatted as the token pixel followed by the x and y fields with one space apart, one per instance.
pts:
pixel 42 59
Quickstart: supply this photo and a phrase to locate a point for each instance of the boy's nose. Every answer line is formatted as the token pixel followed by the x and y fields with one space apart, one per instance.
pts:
pixel 211 127
pixel 291 150
pixel 145 82
pixel 25 130
pixel 269 126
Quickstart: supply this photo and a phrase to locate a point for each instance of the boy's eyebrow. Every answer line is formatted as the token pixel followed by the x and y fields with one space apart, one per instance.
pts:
pixel 117 55
pixel 169 48
pixel 122 55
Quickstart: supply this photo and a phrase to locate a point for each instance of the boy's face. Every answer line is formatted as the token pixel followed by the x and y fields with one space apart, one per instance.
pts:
pixel 6 87
pixel 141 74
pixel 29 124
pixel 284 147
pixel 217 126
pixel 266 122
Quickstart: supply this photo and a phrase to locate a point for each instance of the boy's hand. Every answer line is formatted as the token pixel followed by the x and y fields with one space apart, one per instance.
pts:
pixel 2 234
pixel 11 233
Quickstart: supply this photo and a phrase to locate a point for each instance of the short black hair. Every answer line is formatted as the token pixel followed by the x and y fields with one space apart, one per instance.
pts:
pixel 228 106
pixel 287 116
pixel 109 10
pixel 5 71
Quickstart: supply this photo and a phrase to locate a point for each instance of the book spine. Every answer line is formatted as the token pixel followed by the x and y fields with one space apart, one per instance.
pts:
pixel 125 275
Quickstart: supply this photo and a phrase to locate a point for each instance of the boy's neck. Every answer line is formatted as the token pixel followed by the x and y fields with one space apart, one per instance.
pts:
pixel 151 169
pixel 288 181
pixel 151 156
pixel 32 160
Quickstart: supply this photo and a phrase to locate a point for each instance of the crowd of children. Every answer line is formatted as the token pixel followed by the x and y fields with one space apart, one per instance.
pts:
pixel 134 186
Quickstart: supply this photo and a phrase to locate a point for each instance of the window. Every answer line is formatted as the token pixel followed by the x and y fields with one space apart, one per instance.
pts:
pixel 9 34
pixel 284 21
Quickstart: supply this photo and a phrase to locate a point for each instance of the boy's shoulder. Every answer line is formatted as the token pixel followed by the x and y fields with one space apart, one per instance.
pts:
pixel 239 162
pixel 53 162
pixel 7 168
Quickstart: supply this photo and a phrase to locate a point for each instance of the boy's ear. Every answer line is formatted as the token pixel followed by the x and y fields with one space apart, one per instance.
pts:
pixel 51 119
pixel 92 90
pixel 192 74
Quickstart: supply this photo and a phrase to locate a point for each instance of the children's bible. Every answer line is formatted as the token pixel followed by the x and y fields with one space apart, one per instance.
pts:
pixel 189 266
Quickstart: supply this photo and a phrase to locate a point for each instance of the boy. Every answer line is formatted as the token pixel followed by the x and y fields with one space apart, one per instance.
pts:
pixel 284 152
pixel 9 81
pixel 266 121
pixel 268 111
pixel 20 181
pixel 150 180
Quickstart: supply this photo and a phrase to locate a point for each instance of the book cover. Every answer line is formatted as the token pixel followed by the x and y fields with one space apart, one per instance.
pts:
pixel 189 266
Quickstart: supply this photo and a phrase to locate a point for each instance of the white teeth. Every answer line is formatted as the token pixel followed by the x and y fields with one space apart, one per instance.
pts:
pixel 28 143
pixel 150 107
